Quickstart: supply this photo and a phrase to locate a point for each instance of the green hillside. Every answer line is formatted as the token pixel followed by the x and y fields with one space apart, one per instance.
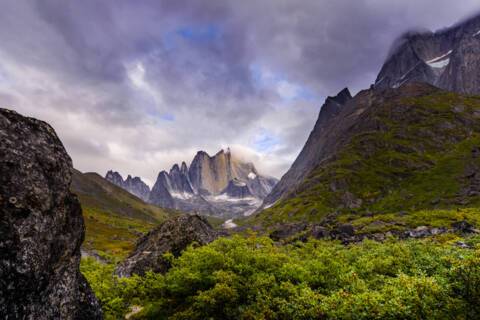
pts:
pixel 114 218
pixel 411 159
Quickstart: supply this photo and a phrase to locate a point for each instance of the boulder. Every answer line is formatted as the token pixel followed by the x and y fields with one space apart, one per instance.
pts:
pixel 287 230
pixel 41 226
pixel 172 236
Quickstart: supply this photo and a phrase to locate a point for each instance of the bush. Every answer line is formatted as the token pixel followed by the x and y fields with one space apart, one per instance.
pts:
pixel 252 278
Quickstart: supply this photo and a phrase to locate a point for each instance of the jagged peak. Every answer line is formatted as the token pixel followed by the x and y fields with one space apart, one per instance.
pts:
pixel 175 169
pixel 221 152
pixel 343 96
pixel 113 174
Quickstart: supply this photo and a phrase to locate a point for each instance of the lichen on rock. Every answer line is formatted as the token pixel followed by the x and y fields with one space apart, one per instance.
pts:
pixel 41 226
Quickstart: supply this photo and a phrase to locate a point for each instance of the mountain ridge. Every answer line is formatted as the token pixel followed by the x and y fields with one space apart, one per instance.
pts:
pixel 448 58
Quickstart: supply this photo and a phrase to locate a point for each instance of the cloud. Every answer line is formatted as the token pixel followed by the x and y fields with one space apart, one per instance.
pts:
pixel 140 85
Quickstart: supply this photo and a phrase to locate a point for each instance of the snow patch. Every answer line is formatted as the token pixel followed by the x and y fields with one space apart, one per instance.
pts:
pixel 224 197
pixel 229 224
pixel 439 64
pixel 252 176
pixel 181 195
pixel 440 61
pixel 270 205
pixel 477 34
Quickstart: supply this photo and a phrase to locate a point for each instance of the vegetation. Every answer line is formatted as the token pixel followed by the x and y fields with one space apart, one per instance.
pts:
pixel 114 218
pixel 415 158
pixel 252 278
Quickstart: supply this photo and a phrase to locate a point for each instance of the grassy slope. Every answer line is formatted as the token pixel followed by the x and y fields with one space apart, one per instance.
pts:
pixel 114 218
pixel 410 172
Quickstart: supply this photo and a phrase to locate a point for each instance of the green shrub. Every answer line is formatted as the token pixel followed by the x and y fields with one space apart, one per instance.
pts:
pixel 252 278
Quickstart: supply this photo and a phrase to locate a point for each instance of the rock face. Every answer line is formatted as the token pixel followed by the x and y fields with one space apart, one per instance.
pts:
pixel 172 236
pixel 312 153
pixel 220 185
pixel 133 185
pixel 237 189
pixel 41 226
pixel 448 59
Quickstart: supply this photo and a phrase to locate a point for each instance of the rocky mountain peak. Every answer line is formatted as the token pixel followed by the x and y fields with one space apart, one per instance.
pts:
pixel 114 177
pixel 448 59
pixel 133 185
pixel 196 188
pixel 332 106
pixel 312 151
pixel 184 168
pixel 175 169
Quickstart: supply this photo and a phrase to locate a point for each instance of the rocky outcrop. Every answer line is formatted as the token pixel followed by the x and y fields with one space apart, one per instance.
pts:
pixel 41 226
pixel 172 236
pixel 220 185
pixel 448 59
pixel 313 151
pixel 133 185
pixel 346 233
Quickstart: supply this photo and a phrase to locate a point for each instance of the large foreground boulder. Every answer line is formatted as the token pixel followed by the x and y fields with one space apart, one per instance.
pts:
pixel 172 236
pixel 41 226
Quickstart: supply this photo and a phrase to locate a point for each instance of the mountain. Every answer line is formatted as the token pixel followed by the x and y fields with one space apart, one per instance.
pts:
pixel 133 185
pixel 219 185
pixel 448 59
pixel 407 144
pixel 114 218
pixel 389 160
pixel 314 150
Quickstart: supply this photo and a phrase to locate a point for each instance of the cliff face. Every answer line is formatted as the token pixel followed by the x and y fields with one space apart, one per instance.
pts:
pixel 212 186
pixel 312 153
pixel 448 59
pixel 41 226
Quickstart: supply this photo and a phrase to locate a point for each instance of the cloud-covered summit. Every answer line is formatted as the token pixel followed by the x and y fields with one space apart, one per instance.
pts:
pixel 140 85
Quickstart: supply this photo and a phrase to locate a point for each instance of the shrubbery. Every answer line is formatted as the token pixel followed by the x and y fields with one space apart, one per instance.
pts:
pixel 252 278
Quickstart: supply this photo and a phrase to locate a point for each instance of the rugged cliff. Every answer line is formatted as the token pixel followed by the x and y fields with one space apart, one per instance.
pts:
pixel 448 59
pixel 211 186
pixel 313 151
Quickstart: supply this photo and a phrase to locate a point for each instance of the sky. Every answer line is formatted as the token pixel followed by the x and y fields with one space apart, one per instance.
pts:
pixel 138 85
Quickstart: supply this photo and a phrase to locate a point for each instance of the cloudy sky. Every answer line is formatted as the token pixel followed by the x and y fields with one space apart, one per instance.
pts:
pixel 138 85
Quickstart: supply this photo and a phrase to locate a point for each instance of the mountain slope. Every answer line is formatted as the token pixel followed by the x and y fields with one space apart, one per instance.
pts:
pixel 114 218
pixel 311 153
pixel 397 151
pixel 448 59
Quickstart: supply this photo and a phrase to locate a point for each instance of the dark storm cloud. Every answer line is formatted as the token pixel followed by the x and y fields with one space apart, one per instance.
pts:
pixel 138 85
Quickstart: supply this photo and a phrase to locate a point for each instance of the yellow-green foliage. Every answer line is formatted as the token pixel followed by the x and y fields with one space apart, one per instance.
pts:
pixel 251 278
pixel 112 234
pixel 373 223
pixel 114 218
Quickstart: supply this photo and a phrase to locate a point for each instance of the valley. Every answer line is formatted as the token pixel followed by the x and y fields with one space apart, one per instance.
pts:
pixel 377 217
